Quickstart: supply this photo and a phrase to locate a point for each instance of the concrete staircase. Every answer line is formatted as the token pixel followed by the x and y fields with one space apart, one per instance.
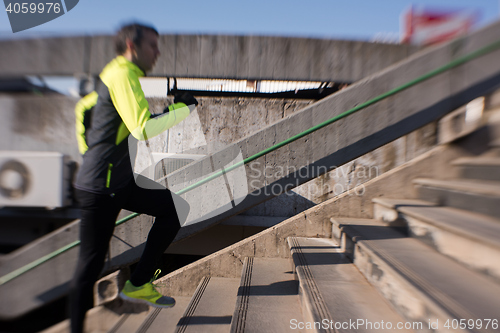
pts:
pixel 443 263
pixel 425 264
pixel 319 289
pixel 334 145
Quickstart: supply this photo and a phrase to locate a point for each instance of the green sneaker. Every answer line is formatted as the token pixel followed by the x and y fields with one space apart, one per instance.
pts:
pixel 146 294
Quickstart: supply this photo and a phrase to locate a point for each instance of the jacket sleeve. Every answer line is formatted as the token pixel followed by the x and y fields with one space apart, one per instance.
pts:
pixel 127 96
pixel 82 107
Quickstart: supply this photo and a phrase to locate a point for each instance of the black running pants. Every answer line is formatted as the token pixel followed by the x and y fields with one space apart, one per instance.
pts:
pixel 98 217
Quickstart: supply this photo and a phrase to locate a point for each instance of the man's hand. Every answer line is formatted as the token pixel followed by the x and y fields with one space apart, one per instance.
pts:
pixel 186 98
pixel 183 97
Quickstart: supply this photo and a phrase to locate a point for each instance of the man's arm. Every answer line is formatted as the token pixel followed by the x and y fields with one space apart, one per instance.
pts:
pixel 81 111
pixel 130 102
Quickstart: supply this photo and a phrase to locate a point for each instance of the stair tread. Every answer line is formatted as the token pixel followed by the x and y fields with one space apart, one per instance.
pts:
pixel 273 300
pixel 466 294
pixel 165 320
pixel 487 188
pixel 478 161
pixel 346 292
pixel 395 203
pixel 352 220
pixel 481 227
pixel 129 322
pixel 495 143
pixel 215 308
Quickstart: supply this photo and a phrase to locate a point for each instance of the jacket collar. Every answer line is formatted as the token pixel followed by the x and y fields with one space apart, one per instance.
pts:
pixel 122 61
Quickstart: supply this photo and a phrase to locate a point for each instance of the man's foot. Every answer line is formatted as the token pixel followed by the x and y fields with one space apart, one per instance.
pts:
pixel 146 294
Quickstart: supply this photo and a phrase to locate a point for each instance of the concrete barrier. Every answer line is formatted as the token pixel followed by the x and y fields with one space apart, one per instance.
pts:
pixel 209 56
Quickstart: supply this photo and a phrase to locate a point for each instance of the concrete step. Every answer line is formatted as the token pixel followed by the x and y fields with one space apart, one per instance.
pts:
pixel 475 195
pixel 470 238
pixel 153 319
pixel 481 167
pixel 211 307
pixel 458 124
pixel 335 295
pixel 385 209
pixel 423 285
pixel 98 319
pixel 159 320
pixel 130 322
pixel 268 298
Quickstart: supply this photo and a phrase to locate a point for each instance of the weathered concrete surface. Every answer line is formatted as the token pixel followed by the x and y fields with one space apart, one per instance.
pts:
pixel 271 243
pixel 46 123
pixel 367 167
pixel 224 121
pixel 460 122
pixel 52 278
pixel 215 124
pixel 99 319
pixel 210 56
pixel 419 282
pixel 38 123
pixel 44 56
pixel 314 222
pixel 357 135
pixel 368 129
pixel 356 202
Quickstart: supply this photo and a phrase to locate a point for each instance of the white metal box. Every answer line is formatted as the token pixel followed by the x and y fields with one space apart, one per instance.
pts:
pixel 34 179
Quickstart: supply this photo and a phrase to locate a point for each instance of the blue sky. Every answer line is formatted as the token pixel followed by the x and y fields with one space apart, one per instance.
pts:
pixel 354 19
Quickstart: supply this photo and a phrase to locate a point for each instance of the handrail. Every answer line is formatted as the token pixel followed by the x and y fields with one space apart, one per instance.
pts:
pixel 457 62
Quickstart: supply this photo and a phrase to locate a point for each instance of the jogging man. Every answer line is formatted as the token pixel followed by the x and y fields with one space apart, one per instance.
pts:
pixel 105 181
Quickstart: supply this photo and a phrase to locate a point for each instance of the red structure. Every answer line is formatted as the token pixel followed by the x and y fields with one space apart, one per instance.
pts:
pixel 425 27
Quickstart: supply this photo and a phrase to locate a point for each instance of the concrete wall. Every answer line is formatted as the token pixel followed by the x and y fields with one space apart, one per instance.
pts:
pixel 220 122
pixel 38 123
pixel 210 56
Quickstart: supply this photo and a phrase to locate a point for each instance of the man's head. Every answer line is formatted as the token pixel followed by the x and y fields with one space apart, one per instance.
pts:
pixel 139 44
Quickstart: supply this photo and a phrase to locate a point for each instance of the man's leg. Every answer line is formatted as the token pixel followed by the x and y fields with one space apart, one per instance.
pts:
pixel 97 223
pixel 158 203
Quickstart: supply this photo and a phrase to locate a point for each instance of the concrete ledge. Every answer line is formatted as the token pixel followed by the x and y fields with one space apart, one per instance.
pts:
pixel 108 288
pixel 44 56
pixel 210 56
pixel 254 221
pixel 460 122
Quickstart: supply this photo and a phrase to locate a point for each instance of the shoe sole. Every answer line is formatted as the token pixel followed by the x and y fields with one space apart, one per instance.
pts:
pixel 142 301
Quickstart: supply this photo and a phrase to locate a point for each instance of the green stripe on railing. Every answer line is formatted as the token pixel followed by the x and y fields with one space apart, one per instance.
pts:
pixel 6 278
pixel 492 47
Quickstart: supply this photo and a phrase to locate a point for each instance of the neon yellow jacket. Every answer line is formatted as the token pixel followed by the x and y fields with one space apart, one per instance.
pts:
pixel 106 117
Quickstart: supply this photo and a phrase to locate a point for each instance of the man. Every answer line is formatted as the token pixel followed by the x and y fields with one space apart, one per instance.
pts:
pixel 105 181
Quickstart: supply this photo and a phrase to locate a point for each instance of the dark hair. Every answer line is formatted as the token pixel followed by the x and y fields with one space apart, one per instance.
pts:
pixel 134 32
